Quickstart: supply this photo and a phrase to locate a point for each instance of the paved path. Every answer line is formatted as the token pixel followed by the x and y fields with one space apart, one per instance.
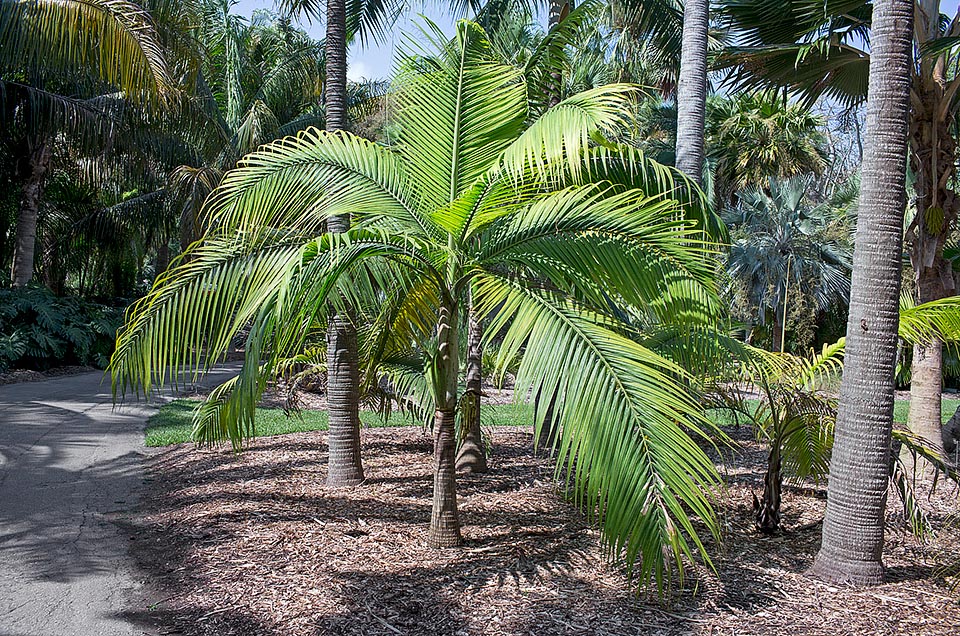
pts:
pixel 68 461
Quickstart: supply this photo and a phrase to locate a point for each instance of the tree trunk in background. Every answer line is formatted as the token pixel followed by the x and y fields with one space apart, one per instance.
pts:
pixel 444 519
pixel 556 12
pixel 26 237
pixel 692 89
pixel 852 547
pixel 162 263
pixel 933 157
pixel 343 373
pixel 472 457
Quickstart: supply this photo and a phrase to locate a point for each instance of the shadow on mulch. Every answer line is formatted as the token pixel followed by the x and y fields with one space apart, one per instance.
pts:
pixel 256 544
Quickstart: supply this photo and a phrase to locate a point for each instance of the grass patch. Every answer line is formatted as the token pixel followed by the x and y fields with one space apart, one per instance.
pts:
pixel 173 423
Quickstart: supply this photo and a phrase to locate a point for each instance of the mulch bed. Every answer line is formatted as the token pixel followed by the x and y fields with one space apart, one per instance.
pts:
pixel 15 376
pixel 256 544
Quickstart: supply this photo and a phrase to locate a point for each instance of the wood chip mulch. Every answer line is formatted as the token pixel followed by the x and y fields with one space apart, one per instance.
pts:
pixel 256 544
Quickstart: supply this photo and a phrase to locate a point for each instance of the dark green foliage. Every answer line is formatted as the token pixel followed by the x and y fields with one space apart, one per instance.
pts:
pixel 39 330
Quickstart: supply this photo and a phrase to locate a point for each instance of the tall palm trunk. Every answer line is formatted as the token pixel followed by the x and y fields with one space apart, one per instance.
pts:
pixel 692 89
pixel 40 153
pixel 933 157
pixel 444 520
pixel 343 375
pixel 472 457
pixel 852 544
pixel 557 10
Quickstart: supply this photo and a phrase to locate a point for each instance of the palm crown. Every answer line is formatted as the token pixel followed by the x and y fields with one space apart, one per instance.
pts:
pixel 550 235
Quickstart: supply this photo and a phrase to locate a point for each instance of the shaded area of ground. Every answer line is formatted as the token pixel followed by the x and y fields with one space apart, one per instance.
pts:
pixel 255 544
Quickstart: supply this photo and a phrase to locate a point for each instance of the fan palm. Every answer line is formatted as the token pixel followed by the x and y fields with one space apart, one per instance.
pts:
pixel 757 136
pixel 781 245
pixel 542 231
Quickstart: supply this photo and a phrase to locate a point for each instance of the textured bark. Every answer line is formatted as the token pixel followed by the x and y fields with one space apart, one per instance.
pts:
pixel 162 263
pixel 557 10
pixel 692 89
pixel 852 544
pixel 933 158
pixel 343 375
pixel 926 385
pixel 767 508
pixel 26 237
pixel 472 457
pixel 444 520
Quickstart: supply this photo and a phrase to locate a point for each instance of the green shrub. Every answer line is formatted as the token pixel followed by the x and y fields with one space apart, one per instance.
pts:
pixel 39 330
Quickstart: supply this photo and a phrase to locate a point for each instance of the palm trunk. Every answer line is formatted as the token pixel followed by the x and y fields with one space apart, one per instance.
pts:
pixel 472 458
pixel 26 237
pixel 852 544
pixel 556 12
pixel 444 520
pixel 692 89
pixel 933 158
pixel 767 508
pixel 343 374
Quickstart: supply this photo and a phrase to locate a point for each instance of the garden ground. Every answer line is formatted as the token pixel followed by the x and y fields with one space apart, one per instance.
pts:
pixel 256 544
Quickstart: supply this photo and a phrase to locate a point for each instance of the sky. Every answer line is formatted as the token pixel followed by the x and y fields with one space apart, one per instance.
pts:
pixel 375 61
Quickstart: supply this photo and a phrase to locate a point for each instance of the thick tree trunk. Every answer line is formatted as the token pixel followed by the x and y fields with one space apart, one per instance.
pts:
pixel 926 385
pixel 852 544
pixel 933 157
pixel 444 520
pixel 26 236
pixel 472 457
pixel 692 89
pixel 343 374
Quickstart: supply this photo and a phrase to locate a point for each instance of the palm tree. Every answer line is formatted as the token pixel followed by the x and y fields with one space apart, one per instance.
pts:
pixel 784 249
pixel 756 136
pixel 819 49
pixel 55 44
pixel 692 89
pixel 539 229
pixel 853 527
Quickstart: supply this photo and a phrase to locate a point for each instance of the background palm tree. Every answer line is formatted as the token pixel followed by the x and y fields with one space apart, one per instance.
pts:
pixel 786 253
pixel 853 526
pixel 65 45
pixel 814 49
pixel 471 201
pixel 753 137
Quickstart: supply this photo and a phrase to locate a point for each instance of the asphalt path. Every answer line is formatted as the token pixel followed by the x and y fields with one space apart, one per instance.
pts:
pixel 70 465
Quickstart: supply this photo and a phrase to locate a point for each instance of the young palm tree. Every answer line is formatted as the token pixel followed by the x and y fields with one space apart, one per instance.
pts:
pixel 549 237
pixel 692 88
pixel 853 527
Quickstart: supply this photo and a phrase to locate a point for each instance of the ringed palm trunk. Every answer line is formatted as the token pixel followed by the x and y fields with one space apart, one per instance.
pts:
pixel 472 457
pixel 933 158
pixel 343 374
pixel 444 519
pixel 557 10
pixel 26 234
pixel 852 544
pixel 692 89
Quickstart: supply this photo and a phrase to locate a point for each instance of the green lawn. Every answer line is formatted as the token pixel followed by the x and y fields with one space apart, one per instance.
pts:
pixel 172 425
